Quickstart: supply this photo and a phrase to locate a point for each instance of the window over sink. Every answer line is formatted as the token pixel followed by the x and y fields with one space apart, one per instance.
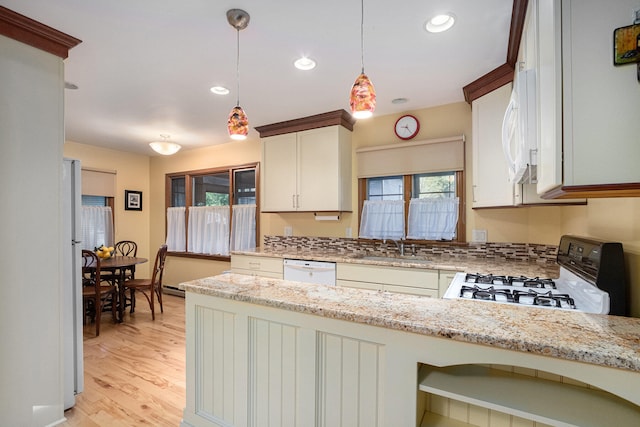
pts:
pixel 211 212
pixel 412 190
pixel 422 206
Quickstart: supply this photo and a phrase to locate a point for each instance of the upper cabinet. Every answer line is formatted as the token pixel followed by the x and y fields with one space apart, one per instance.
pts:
pixel 307 170
pixel 491 185
pixel 588 107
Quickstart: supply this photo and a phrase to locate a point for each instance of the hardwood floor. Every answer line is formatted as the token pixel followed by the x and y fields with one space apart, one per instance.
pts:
pixel 134 372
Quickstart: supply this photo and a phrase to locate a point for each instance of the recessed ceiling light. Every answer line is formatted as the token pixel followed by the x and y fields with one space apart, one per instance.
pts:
pixel 399 100
pixel 220 90
pixel 440 23
pixel 305 63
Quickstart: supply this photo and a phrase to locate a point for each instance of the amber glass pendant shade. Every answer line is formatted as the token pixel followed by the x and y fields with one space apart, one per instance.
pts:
pixel 363 98
pixel 238 123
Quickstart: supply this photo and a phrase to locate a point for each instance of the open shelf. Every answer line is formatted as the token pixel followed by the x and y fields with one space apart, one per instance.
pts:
pixel 528 397
pixel 434 420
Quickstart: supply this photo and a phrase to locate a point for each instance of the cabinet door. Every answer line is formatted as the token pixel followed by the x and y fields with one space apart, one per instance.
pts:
pixel 601 101
pixel 279 173
pixel 491 186
pixel 321 179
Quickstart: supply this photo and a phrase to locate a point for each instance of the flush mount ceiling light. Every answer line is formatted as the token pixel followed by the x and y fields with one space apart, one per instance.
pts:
pixel 363 95
pixel 440 23
pixel 220 90
pixel 238 122
pixel 165 147
pixel 304 63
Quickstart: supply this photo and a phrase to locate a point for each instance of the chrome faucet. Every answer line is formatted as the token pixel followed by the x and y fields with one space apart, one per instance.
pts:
pixel 399 246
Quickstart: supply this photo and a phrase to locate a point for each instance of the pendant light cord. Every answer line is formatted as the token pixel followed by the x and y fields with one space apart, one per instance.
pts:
pixel 238 67
pixel 362 34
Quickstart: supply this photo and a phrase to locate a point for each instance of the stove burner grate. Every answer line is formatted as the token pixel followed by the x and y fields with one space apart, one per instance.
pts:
pixel 522 281
pixel 517 296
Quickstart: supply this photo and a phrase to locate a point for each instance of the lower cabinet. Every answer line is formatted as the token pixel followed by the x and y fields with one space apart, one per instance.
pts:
pixel 415 281
pixel 254 365
pixel 257 266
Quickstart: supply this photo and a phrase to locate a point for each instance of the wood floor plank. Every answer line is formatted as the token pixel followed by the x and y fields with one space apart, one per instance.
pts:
pixel 134 371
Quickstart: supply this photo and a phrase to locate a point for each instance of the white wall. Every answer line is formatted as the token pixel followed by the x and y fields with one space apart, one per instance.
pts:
pixel 31 137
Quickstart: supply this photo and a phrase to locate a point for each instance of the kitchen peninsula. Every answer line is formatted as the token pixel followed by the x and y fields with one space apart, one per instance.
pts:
pixel 262 349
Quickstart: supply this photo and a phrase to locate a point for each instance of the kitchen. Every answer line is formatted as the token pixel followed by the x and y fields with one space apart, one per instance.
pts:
pixel 611 218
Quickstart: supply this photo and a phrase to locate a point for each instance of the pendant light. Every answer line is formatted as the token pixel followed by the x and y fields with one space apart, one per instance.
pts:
pixel 363 96
pixel 165 147
pixel 238 122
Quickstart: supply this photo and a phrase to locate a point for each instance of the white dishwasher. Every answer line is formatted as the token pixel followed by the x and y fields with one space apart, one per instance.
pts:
pixel 316 272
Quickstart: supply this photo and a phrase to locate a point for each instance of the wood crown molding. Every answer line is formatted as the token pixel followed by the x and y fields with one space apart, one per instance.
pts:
pixel 338 117
pixel 487 83
pixel 35 34
pixel 594 191
pixel 504 73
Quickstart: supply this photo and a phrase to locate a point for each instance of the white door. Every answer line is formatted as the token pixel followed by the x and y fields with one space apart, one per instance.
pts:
pixel 72 285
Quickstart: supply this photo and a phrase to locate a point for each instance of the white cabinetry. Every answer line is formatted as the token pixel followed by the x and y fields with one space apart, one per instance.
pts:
pixel 589 123
pixel 307 171
pixel 257 266
pixel 416 281
pixel 248 365
pixel 491 186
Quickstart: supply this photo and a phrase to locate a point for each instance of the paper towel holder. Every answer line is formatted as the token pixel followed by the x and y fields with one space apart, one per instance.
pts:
pixel 326 217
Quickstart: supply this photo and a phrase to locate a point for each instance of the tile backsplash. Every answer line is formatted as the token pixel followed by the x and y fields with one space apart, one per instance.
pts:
pixel 499 251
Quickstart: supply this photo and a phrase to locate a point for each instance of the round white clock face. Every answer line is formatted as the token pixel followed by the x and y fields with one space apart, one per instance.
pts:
pixel 407 127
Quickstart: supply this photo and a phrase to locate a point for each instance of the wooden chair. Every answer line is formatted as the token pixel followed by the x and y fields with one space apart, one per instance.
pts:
pixel 96 290
pixel 151 288
pixel 125 248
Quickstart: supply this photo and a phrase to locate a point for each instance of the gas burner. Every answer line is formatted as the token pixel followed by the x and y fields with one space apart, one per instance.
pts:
pixel 486 279
pixel 489 294
pixel 543 299
pixel 521 281
pixel 528 282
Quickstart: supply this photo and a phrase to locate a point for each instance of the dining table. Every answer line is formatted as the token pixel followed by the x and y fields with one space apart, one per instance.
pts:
pixel 118 264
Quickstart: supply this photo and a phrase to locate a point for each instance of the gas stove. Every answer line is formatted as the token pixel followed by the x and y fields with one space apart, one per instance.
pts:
pixel 591 280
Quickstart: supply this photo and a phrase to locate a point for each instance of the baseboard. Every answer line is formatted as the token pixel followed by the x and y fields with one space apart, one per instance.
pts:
pixel 172 290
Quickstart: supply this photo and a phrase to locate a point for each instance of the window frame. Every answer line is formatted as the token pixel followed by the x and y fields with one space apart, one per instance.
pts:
pixel 188 175
pixel 407 184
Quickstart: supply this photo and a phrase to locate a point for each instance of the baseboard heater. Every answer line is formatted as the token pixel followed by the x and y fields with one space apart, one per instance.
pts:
pixel 172 290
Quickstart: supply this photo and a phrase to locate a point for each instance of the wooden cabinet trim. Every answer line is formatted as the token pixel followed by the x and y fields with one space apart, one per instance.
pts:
pixel 35 34
pixel 504 73
pixel 338 117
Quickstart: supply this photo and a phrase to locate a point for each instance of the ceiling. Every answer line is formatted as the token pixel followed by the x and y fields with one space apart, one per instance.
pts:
pixel 144 67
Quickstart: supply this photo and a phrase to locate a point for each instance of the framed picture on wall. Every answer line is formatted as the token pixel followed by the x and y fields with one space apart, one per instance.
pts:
pixel 132 200
pixel 626 45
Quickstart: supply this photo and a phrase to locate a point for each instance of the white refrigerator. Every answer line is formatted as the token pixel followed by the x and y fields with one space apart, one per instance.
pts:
pixel 72 284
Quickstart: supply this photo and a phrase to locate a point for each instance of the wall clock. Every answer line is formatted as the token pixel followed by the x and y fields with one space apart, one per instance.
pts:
pixel 406 127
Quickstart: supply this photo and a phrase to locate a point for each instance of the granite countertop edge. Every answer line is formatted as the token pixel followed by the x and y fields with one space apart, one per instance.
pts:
pixel 610 341
pixel 469 264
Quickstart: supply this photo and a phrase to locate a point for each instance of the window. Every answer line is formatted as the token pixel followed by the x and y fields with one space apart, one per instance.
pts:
pixel 391 206
pixel 96 221
pixel 434 185
pixel 212 212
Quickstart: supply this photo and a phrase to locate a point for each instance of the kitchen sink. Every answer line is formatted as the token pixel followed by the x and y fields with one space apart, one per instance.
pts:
pixel 400 259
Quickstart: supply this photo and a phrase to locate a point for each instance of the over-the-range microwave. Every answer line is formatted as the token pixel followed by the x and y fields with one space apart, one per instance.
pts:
pixel 519 129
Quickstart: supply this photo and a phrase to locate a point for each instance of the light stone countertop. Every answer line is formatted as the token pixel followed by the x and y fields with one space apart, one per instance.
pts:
pixel 604 340
pixel 482 265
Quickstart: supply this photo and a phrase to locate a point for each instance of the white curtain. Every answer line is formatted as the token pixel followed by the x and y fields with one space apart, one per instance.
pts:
pixel 243 227
pixel 382 219
pixel 176 234
pixel 209 230
pixel 433 218
pixel 97 227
